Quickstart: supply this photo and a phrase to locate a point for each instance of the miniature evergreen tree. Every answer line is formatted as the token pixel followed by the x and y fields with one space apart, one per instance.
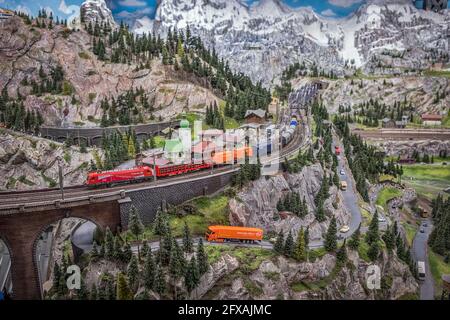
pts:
pixel 331 237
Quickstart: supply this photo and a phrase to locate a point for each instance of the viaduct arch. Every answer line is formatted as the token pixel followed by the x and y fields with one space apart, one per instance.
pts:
pixel 93 136
pixel 21 231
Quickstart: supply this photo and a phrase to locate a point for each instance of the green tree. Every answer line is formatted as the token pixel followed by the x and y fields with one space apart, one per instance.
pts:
pixel 123 290
pixel 149 270
pixel 188 245
pixel 135 224
pixel 300 248
pixel 331 236
pixel 373 234
pixel 160 280
pixel 109 244
pixel 355 239
pixel 341 255
pixel 133 273
pixel 202 258
pixel 289 245
pixel 161 224
pixel 279 243
pixel 192 275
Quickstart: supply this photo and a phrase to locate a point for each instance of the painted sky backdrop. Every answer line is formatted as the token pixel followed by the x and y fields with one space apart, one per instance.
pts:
pixel 129 10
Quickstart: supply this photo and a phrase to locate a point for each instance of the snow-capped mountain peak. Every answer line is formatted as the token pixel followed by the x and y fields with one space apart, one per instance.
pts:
pixel 96 10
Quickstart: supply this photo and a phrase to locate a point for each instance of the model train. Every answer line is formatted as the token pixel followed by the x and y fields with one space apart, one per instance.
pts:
pixel 143 173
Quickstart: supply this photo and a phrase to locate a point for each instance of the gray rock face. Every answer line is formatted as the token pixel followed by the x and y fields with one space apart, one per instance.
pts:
pixel 226 265
pixel 430 147
pixel 256 205
pixel 31 163
pixel 382 37
pixel 96 10
pixel 419 91
pixel 89 79
pixel 276 279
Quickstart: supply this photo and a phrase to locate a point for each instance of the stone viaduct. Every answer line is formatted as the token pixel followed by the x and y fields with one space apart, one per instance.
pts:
pixel 93 136
pixel 20 228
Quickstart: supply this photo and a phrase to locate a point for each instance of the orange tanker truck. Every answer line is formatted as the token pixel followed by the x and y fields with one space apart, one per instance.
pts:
pixel 233 234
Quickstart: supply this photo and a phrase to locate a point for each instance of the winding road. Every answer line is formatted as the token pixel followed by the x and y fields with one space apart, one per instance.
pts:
pixel 420 253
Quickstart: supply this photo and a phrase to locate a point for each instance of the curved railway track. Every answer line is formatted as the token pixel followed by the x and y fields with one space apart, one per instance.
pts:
pixel 17 198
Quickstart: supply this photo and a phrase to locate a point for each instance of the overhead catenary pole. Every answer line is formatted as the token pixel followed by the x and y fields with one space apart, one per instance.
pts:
pixel 61 177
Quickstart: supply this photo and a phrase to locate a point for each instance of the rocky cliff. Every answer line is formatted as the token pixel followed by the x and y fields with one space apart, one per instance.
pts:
pixel 256 204
pixel 419 91
pixel 26 49
pixel 31 163
pixel 381 36
pixel 280 278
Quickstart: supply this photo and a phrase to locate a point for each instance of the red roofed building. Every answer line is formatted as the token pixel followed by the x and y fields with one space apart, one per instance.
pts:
pixel 432 119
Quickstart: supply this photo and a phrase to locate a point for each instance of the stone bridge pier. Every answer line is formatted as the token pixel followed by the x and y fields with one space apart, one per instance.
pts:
pixel 21 232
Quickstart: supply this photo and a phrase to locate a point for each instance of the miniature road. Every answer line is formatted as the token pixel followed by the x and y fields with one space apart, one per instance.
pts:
pixel 350 195
pixel 420 253
pixel 5 265
pixel 43 253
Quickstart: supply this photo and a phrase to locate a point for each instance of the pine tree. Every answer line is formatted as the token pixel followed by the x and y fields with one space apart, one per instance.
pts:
pixel 149 270
pixel 175 265
pixel 330 243
pixel 160 281
pixel 300 249
pixel 188 245
pixel 133 273
pixel 341 254
pixel 279 244
pixel 192 275
pixel 135 224
pixel 56 276
pixel 373 234
pixel 355 239
pixel 160 224
pixel 127 253
pixel 109 244
pixel 123 290
pixel 373 251
pixel 202 258
pixel 145 248
pixel 288 249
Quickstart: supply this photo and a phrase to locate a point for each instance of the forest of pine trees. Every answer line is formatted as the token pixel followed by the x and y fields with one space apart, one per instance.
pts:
pixel 185 53
pixel 14 115
pixel 159 271
pixel 126 109
pixel 293 203
pixel 118 148
pixel 439 239
pixel 363 160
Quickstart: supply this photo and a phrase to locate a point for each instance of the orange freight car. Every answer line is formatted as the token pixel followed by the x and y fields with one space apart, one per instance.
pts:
pixel 230 233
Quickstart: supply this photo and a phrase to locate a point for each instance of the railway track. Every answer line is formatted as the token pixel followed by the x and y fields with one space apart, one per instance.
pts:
pixel 17 198
pixel 405 134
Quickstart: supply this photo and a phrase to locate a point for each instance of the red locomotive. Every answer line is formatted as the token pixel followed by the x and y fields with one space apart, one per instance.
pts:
pixel 143 173
pixel 119 176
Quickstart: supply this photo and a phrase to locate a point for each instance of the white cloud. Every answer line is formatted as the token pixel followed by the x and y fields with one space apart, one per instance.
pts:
pixel 68 9
pixel 135 14
pixel 344 3
pixel 132 3
pixel 328 13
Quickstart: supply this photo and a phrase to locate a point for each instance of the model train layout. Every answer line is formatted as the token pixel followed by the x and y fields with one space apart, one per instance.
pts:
pixel 213 159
